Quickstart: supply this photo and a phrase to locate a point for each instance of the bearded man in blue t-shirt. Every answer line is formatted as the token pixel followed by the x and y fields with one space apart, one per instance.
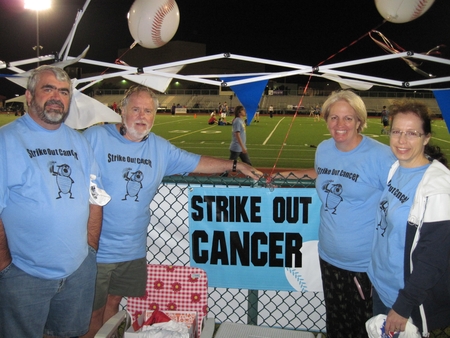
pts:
pixel 134 162
pixel 48 229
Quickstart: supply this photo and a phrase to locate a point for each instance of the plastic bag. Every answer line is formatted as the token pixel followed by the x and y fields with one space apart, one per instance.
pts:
pixel 375 329
pixel 97 196
pixel 169 329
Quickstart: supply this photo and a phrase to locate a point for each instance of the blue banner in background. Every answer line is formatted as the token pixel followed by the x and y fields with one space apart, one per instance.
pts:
pixel 256 238
pixel 249 94
pixel 443 100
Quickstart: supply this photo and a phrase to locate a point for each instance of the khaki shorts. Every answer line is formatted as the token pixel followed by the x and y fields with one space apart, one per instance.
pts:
pixel 126 279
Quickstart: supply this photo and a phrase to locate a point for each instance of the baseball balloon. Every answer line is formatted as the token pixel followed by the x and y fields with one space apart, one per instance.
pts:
pixel 152 23
pixel 401 11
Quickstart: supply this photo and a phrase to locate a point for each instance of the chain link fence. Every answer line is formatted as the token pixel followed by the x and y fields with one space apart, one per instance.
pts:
pixel 168 243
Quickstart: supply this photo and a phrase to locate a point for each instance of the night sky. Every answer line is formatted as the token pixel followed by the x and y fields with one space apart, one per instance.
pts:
pixel 304 32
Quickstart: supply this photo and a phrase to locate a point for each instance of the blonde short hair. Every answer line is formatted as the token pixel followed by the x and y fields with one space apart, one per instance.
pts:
pixel 353 100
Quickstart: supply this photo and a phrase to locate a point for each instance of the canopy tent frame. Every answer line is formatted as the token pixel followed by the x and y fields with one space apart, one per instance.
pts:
pixel 158 77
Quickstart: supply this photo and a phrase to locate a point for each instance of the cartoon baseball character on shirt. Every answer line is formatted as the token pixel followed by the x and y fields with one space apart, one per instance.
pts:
pixel 134 183
pixel 63 179
pixel 334 195
pixel 384 207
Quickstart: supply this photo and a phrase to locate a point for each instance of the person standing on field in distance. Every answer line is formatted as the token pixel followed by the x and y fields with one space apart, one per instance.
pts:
pixel 238 148
pixel 271 111
pixel 48 229
pixel 223 111
pixel 256 116
pixel 122 264
pixel 317 112
pixel 384 120
pixel 410 265
pixel 350 171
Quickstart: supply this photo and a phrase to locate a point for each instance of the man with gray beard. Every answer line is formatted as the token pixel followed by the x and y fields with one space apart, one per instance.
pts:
pixel 49 219
pixel 134 162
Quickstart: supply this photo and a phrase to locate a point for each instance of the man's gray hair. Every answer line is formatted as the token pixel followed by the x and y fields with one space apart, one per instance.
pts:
pixel 59 73
pixel 138 89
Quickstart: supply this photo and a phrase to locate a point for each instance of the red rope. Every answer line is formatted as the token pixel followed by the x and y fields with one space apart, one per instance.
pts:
pixel 352 43
pixel 304 92
pixel 289 130
pixel 117 61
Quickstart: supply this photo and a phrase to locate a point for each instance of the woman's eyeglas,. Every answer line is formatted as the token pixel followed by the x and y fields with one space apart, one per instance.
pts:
pixel 409 134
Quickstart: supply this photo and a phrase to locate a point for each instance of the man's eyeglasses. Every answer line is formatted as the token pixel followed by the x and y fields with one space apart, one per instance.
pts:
pixel 409 134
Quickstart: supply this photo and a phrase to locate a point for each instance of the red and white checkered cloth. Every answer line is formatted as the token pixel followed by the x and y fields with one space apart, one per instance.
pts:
pixel 174 288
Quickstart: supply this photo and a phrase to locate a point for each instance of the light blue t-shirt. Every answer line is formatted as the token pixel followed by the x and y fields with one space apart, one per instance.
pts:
pixel 386 269
pixel 238 126
pixel 350 184
pixel 132 172
pixel 44 196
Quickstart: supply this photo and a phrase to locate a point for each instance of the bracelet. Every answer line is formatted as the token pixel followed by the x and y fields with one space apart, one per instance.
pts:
pixel 234 165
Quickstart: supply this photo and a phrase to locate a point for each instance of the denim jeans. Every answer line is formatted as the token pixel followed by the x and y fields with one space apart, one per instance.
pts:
pixel 378 306
pixel 380 309
pixel 31 306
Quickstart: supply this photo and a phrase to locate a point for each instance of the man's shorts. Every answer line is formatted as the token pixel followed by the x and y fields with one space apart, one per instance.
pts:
pixel 126 279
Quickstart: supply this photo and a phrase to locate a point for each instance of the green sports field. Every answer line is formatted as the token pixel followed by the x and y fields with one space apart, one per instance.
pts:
pixel 271 141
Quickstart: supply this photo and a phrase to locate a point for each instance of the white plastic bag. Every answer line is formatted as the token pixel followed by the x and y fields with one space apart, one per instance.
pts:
pixel 375 329
pixel 171 329
pixel 97 196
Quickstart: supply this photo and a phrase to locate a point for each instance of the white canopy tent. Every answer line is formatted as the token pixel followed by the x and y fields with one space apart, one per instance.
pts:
pixel 20 99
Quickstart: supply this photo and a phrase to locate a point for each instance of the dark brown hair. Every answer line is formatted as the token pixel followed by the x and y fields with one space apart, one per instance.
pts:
pixel 418 108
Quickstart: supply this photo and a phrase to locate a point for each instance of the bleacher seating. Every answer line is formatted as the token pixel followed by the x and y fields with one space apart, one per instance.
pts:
pixel 207 103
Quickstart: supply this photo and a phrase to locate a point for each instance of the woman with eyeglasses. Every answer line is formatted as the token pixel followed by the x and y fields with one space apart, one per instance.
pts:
pixel 410 265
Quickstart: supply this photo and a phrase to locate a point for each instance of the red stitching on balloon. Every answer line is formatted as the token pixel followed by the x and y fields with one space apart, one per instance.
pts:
pixel 419 9
pixel 158 21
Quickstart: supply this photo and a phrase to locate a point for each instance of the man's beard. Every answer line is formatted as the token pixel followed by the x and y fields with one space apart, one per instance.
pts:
pixel 50 116
pixel 131 131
